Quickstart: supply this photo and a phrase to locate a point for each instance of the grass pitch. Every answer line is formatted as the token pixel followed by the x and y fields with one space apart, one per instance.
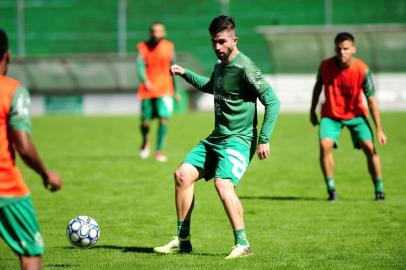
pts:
pixel 289 223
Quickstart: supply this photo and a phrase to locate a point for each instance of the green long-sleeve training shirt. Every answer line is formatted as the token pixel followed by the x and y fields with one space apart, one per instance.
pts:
pixel 236 87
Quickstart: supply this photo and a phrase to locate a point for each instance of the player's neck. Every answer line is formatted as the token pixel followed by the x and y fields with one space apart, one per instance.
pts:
pixel 232 55
pixel 152 43
pixel 347 64
pixel 3 64
pixel 3 68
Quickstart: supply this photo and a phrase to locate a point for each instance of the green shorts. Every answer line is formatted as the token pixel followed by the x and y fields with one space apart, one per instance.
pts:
pixel 161 107
pixel 359 127
pixel 227 159
pixel 20 229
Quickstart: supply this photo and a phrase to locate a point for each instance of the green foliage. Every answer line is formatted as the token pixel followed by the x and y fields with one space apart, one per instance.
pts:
pixel 289 223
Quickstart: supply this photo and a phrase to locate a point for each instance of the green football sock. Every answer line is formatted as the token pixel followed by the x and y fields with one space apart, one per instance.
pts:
pixel 183 228
pixel 378 185
pixel 144 132
pixel 162 130
pixel 330 183
pixel 240 237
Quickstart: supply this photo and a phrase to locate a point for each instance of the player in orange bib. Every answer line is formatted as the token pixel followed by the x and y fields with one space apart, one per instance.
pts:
pixel 18 223
pixel 157 88
pixel 345 80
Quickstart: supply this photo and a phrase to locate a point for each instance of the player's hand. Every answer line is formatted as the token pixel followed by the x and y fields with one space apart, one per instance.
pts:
pixel 314 119
pixel 148 86
pixel 52 181
pixel 382 139
pixel 176 70
pixel 177 97
pixel 263 151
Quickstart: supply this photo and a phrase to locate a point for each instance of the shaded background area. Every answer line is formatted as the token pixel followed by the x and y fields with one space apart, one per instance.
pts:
pixel 79 56
pixel 68 27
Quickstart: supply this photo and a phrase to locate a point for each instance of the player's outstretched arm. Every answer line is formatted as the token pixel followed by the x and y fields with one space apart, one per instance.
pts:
pixel 202 83
pixel 28 153
pixel 176 70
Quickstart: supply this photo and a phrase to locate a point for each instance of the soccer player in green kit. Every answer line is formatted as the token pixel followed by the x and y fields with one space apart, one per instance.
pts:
pixel 225 154
pixel 19 225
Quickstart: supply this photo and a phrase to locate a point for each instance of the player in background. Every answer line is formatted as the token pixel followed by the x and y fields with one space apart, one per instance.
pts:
pixel 345 79
pixel 18 223
pixel 236 84
pixel 157 88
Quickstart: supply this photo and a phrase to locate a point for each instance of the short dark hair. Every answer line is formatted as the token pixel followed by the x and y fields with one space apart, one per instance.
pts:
pixel 155 23
pixel 3 43
pixel 221 23
pixel 344 36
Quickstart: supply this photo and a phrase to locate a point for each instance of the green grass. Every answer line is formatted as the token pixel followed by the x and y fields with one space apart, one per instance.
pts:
pixel 288 221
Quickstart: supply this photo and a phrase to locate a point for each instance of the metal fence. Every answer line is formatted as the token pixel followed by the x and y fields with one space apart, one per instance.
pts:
pixel 99 73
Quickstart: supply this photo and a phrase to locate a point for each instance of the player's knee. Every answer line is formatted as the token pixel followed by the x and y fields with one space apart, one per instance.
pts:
pixel 163 121
pixel 368 148
pixel 326 145
pixel 223 187
pixel 30 262
pixel 181 177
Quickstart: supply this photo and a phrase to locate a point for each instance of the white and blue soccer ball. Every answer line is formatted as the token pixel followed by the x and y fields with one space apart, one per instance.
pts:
pixel 83 231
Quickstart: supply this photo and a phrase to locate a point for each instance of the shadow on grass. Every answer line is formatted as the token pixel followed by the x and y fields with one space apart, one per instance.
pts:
pixel 150 250
pixel 281 198
pixel 142 250
pixel 122 249
pixel 59 265
pixel 127 249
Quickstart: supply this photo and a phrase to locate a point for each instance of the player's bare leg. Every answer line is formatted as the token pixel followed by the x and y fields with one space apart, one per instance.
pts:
pixel 374 168
pixel 185 177
pixel 231 202
pixel 144 151
pixel 234 210
pixel 30 263
pixel 327 166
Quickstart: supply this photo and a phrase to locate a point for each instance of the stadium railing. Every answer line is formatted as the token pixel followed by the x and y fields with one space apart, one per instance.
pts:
pixel 99 73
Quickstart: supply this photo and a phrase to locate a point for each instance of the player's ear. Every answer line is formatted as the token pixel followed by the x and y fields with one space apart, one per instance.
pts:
pixel 235 40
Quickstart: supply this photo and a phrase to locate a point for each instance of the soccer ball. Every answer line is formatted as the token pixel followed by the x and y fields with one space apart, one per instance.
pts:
pixel 83 231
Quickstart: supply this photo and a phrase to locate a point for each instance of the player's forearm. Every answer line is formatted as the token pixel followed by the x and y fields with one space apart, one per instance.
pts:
pixel 272 108
pixel 140 67
pixel 28 152
pixel 373 108
pixel 32 160
pixel 315 96
pixel 200 82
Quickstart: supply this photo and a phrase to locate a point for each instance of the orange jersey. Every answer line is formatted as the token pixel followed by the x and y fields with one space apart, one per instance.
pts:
pixel 343 89
pixel 157 61
pixel 11 181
